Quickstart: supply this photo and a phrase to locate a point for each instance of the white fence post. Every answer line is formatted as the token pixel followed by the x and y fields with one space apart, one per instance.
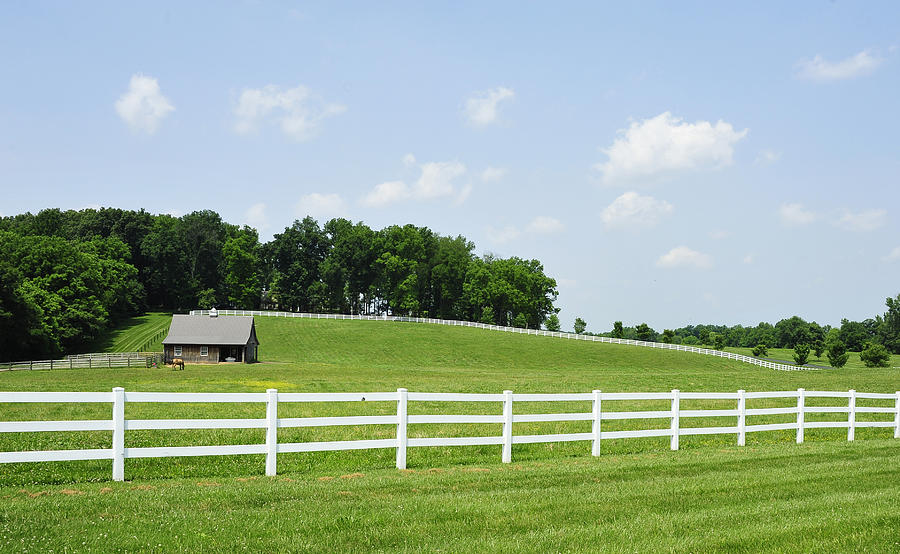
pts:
pixel 118 438
pixel 402 419
pixel 742 418
pixel 506 456
pixel 271 430
pixel 595 447
pixel 676 408
pixel 851 418
pixel 801 406
pixel 897 418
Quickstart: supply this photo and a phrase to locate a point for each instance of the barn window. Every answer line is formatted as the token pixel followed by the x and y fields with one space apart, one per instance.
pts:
pixel 178 351
pixel 204 351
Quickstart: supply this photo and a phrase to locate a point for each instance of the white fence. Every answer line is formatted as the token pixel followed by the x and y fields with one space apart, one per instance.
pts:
pixel 539 332
pixel 78 361
pixel 507 418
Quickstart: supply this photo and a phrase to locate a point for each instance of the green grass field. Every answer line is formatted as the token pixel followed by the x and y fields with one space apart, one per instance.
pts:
pixel 137 334
pixel 825 495
pixel 787 354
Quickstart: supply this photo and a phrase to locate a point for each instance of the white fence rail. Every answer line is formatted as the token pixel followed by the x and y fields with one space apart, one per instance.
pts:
pixel 538 332
pixel 507 418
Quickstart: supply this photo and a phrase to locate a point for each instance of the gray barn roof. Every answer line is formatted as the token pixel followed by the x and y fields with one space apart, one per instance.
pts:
pixel 199 329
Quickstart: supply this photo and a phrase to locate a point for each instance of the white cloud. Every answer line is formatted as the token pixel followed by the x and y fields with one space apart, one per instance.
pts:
pixel 321 206
pixel 767 157
pixel 482 108
pixel 143 106
pixel 748 259
pixel 295 110
pixel 387 193
pixel 796 214
pixel 409 160
pixel 868 220
pixel 436 180
pixel 818 69
pixel 631 210
pixel 492 174
pixel 719 234
pixel 256 217
pixel 664 144
pixel 682 256
pixel 545 225
pixel 893 256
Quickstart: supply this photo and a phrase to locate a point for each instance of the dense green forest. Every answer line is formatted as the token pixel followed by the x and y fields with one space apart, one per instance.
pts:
pixel 69 275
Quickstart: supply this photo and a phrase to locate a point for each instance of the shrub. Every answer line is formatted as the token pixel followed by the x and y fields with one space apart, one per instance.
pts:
pixel 691 340
pixel 761 350
pixel 837 353
pixel 552 322
pixel 801 354
pixel 875 355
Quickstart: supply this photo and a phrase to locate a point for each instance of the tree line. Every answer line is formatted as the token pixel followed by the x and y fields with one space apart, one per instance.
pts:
pixel 874 337
pixel 67 276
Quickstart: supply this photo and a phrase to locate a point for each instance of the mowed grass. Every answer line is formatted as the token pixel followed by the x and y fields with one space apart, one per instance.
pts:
pixel 137 334
pixel 826 494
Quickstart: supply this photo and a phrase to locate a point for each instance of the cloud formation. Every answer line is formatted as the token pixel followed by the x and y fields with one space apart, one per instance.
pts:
pixel 143 106
pixel 482 108
pixel 256 217
pixel 321 206
pixel 652 148
pixel 436 180
pixel 819 69
pixel 296 111
pixel 868 220
pixel 682 256
pixel 493 174
pixel 795 214
pixel 893 256
pixel 545 225
pixel 631 210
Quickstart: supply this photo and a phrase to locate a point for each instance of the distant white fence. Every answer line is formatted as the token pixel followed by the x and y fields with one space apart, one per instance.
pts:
pixel 539 332
pixel 600 402
pixel 78 361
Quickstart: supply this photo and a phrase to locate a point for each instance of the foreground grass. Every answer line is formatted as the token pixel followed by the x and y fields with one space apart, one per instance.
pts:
pixel 811 497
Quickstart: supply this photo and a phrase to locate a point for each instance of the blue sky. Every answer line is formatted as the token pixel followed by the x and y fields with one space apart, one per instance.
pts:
pixel 672 163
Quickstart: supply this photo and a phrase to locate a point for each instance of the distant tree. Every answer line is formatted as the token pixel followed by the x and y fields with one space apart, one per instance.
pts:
pixel 520 321
pixel 818 348
pixel 618 331
pixel 801 354
pixel 691 340
pixel 875 355
pixel 704 336
pixel 552 322
pixel 889 329
pixel 668 336
pixel 854 334
pixel 487 315
pixel 837 353
pixel 791 332
pixel 207 299
pixel 719 342
pixel 580 325
pixel 644 332
pixel 761 350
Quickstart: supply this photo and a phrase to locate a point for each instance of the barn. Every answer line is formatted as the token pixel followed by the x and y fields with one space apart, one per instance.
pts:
pixel 211 339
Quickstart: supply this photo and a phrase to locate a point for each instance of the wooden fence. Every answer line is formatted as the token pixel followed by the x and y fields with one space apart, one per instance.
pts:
pixel 77 361
pixel 539 332
pixel 600 403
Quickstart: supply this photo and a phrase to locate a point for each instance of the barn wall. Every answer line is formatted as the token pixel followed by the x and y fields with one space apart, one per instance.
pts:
pixel 190 353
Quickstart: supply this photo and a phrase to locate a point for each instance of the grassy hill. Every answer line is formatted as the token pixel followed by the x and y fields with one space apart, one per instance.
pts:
pixel 826 494
pixel 136 334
